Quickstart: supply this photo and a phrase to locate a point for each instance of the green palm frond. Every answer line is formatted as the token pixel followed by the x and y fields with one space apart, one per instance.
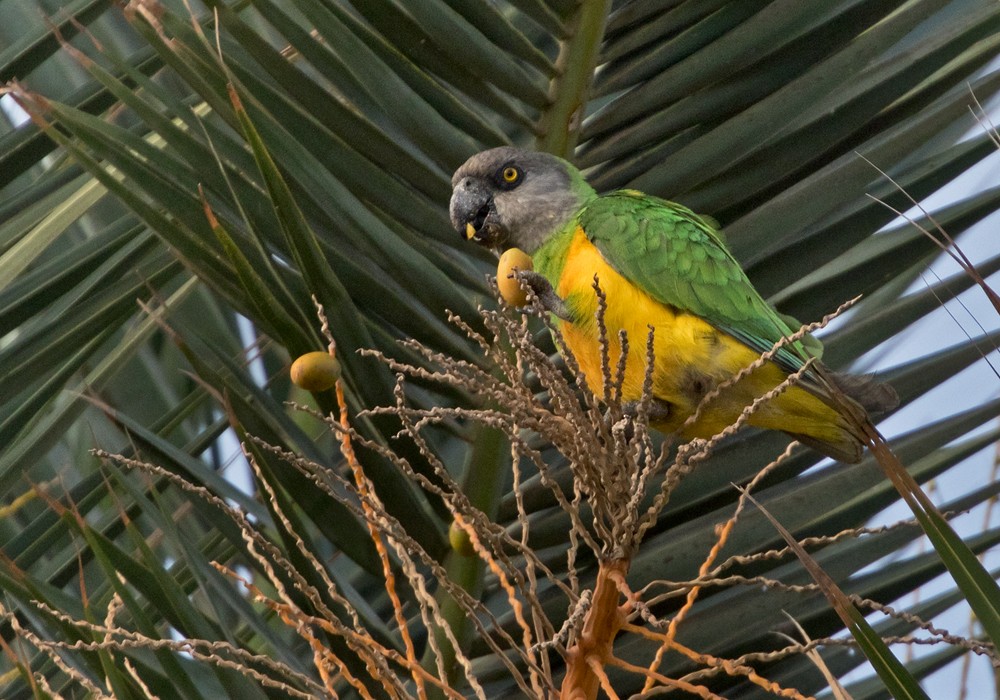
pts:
pixel 131 321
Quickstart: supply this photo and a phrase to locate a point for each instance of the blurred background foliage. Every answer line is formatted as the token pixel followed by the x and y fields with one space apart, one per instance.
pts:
pixel 127 322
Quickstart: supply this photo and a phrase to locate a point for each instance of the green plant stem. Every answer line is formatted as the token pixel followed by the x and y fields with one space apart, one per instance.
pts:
pixel 487 463
pixel 559 125
pixel 897 678
pixel 980 589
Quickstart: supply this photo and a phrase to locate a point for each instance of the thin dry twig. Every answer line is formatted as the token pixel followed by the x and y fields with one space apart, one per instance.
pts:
pixel 621 479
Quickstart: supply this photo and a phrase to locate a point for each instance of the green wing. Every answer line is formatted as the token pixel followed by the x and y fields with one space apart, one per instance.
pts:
pixel 679 259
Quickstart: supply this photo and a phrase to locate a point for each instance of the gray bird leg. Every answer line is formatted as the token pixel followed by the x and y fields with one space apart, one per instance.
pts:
pixel 657 411
pixel 545 293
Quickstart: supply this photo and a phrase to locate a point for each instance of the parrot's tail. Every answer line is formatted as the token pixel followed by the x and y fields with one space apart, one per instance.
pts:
pixel 846 448
pixel 877 398
pixel 868 397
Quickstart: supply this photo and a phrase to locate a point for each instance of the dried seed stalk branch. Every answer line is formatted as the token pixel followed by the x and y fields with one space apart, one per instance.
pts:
pixel 616 467
pixel 613 461
pixel 404 546
pixel 723 536
pixel 51 650
pixel 726 666
pixel 823 540
pixel 270 559
pixel 218 652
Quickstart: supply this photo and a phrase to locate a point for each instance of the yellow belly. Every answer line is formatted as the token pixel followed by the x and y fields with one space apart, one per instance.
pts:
pixel 691 357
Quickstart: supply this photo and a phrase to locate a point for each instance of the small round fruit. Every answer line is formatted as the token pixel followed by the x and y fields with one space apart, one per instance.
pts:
pixel 460 540
pixel 316 371
pixel 510 287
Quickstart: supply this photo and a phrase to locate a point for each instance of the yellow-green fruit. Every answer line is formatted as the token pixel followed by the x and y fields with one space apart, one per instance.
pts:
pixel 316 371
pixel 510 287
pixel 460 540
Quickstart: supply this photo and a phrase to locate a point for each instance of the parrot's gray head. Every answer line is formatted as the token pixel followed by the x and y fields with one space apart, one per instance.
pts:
pixel 508 198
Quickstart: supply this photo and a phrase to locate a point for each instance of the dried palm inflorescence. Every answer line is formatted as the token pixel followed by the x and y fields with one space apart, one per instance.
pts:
pixel 621 480
pixel 615 465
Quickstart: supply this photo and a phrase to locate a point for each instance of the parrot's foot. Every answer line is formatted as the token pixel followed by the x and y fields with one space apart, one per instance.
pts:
pixel 657 411
pixel 545 293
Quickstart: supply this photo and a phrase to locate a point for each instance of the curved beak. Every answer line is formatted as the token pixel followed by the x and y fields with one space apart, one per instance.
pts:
pixel 473 213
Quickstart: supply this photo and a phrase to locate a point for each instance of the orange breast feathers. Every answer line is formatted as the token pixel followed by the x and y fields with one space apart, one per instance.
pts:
pixel 691 357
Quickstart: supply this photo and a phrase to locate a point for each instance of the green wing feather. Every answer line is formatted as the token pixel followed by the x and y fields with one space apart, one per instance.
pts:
pixel 680 259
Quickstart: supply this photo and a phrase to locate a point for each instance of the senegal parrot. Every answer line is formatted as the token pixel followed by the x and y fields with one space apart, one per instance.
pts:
pixel 662 266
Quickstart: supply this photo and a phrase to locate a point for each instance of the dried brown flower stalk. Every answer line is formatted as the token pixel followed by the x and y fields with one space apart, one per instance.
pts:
pixel 559 634
pixel 614 465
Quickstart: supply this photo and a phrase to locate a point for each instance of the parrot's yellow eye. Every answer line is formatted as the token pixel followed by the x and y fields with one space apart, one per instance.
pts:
pixel 511 174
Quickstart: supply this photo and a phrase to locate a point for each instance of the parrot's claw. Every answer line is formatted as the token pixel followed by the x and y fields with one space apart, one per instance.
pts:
pixel 545 293
pixel 656 411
